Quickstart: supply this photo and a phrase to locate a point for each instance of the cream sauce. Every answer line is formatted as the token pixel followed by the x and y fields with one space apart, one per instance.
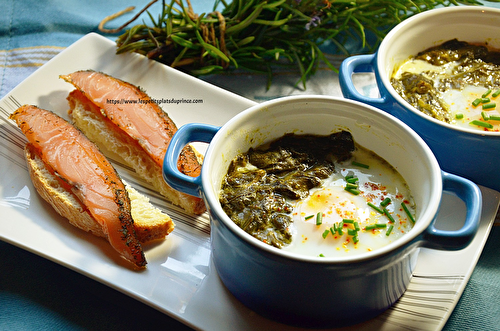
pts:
pixel 375 184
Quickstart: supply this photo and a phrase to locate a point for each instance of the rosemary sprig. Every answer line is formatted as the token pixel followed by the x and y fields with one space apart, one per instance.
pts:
pixel 257 35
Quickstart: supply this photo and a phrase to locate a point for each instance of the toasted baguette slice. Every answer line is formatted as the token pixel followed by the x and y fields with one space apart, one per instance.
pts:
pixel 87 117
pixel 149 222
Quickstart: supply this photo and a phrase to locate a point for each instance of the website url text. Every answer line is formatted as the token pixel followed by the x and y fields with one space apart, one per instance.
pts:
pixel 148 101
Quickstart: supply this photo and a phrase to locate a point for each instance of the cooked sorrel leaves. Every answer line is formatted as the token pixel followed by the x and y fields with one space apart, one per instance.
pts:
pixel 260 183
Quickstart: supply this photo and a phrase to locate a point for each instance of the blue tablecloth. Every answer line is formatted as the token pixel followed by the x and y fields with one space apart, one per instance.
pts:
pixel 36 294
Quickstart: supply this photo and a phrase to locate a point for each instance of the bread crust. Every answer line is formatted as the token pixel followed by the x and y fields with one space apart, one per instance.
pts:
pixel 51 189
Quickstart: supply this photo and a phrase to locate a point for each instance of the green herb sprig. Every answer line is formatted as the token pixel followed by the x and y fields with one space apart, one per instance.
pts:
pixel 258 35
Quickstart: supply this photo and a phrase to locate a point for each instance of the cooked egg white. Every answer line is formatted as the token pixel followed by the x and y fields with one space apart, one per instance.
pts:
pixel 335 204
pixel 459 101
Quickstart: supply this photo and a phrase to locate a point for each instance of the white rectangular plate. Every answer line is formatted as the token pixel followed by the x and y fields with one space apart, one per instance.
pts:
pixel 181 280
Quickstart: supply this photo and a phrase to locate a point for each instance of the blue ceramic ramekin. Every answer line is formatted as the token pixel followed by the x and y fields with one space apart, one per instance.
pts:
pixel 470 153
pixel 320 291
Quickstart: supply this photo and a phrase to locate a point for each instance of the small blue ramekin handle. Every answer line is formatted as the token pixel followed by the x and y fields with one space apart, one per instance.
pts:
pixel 357 63
pixel 469 193
pixel 186 134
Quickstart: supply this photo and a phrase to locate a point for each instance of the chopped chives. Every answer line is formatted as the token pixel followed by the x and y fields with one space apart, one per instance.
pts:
pixel 376 226
pixel 476 102
pixel 385 202
pixel 319 218
pixel 490 105
pixel 389 230
pixel 407 211
pixel 485 94
pixel 361 165
pixel 356 226
pixel 494 118
pixel 459 116
pixel 352 191
pixel 309 217
pixel 325 233
pixel 339 228
pixel 348 221
pixel 351 186
pixel 485 100
pixel 496 93
pixel 355 239
pixel 352 232
pixel 334 227
pixel 333 230
pixel 351 180
pixel 375 207
pixel 389 216
pixel 483 124
pixel 321 255
pixel 485 116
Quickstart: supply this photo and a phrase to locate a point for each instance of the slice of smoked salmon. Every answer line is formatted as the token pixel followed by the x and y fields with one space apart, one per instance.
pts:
pixel 133 112
pixel 93 180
